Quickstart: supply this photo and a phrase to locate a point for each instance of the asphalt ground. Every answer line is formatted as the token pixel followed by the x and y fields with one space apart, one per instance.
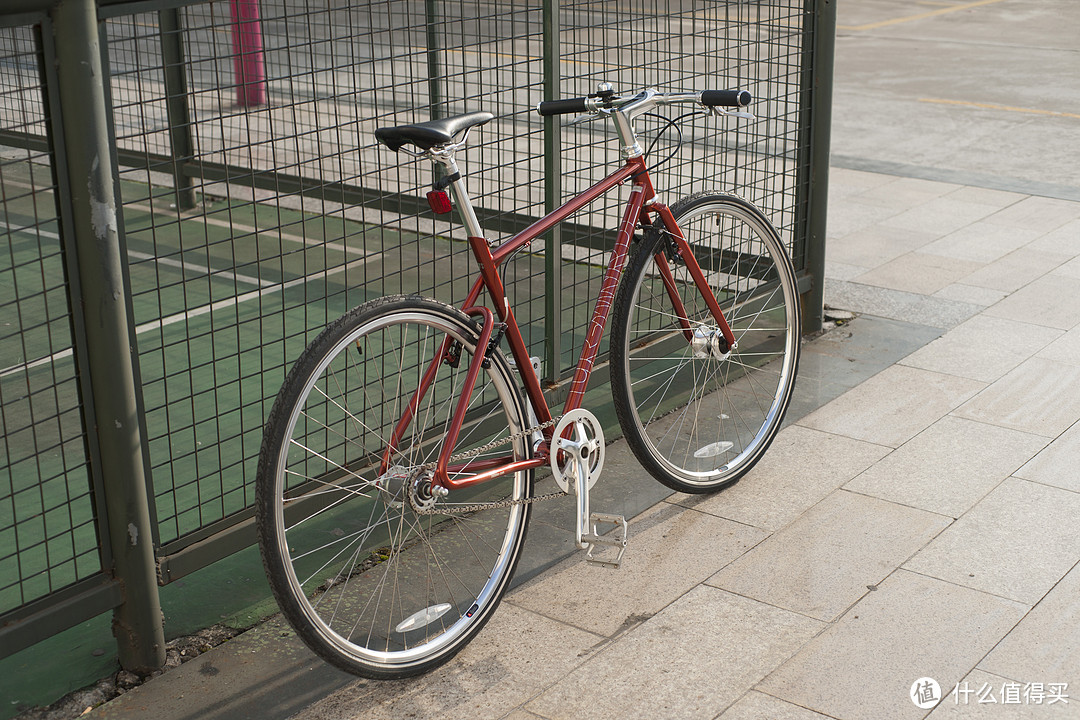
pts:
pixel 983 93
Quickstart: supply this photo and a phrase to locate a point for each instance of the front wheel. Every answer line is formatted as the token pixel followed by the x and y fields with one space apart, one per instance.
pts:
pixel 696 414
pixel 377 571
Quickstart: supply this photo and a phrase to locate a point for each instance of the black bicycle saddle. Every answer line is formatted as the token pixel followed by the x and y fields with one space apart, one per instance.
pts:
pixel 427 135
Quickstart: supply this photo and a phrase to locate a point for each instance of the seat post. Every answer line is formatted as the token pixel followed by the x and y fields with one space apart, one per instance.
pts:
pixel 444 155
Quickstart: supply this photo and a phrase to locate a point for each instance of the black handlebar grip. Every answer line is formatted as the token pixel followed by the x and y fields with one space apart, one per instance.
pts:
pixel 726 98
pixel 561 107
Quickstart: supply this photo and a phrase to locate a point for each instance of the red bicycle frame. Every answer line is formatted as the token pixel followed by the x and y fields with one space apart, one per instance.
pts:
pixel 639 206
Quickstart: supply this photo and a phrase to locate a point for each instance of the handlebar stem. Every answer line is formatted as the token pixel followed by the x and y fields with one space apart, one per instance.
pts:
pixel 625 131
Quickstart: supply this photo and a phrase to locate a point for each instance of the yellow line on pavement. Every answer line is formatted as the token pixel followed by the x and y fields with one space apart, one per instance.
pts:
pixel 920 16
pixel 1007 108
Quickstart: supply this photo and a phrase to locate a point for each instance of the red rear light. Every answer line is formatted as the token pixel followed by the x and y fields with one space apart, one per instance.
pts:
pixel 439 202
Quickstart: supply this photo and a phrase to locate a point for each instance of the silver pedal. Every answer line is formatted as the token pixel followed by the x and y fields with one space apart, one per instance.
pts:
pixel 617 540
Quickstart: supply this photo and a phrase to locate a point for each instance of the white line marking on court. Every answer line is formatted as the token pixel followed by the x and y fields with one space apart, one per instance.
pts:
pixel 196 312
pixel 269 231
pixel 201 269
pixel 182 264
pixel 266 289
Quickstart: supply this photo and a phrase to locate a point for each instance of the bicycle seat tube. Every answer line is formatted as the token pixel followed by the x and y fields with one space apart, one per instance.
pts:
pixel 444 155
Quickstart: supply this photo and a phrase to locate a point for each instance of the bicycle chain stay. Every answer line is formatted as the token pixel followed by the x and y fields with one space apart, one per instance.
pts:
pixel 445 509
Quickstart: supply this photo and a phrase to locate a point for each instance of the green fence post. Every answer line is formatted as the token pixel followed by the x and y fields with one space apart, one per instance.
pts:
pixel 552 195
pixel 434 59
pixel 818 83
pixel 93 235
pixel 176 105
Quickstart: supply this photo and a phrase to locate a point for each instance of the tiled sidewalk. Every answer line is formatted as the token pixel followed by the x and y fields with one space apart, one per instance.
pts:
pixel 924 523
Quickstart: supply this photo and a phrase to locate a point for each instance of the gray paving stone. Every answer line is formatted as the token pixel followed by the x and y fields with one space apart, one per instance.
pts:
pixel 982 242
pixel 692 660
pixel 982 348
pixel 523 715
pixel 495 673
pixel 265 673
pixel 905 192
pixel 1070 269
pixel 987 196
pixel 936 470
pixel 919 272
pixel 842 271
pixel 1016 543
pixel 893 406
pixel 1039 396
pixel 671 549
pixel 826 560
pixel 964 293
pixel 1015 270
pixel 1065 240
pixel 898 304
pixel 849 355
pixel 844 183
pixel 1065 349
pixel 771 496
pixel 1040 213
pixel 1057 464
pixel 759 706
pixel 874 245
pixel 858 217
pixel 1045 646
pixel 913 626
pixel 1051 300
pixel 942 215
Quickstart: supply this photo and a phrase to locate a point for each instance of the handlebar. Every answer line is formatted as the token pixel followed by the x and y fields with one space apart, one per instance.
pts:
pixel 563 107
pixel 726 98
pixel 643 101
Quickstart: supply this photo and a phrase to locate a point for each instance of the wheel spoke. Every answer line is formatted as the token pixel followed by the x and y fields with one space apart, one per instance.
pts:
pixel 371 584
pixel 698 418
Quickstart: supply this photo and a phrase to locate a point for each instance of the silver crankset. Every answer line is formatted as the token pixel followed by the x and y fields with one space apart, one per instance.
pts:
pixel 577 457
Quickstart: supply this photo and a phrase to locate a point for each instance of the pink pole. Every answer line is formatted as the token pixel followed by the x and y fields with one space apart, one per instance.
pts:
pixel 248 53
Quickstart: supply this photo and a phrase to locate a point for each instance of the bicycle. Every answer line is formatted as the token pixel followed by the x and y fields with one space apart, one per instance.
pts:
pixel 396 476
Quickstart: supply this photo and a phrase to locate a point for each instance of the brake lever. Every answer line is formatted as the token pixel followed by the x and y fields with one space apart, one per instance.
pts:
pixel 585 118
pixel 720 112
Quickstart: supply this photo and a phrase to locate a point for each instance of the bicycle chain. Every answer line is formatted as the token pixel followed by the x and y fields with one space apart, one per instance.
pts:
pixel 443 509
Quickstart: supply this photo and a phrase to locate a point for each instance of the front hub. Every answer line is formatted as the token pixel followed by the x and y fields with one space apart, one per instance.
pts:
pixel 709 342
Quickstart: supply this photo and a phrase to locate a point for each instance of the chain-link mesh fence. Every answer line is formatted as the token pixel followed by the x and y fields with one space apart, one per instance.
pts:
pixel 48 538
pixel 256 206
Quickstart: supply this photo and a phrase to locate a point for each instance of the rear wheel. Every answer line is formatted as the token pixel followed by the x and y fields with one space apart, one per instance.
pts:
pixel 697 415
pixel 377 572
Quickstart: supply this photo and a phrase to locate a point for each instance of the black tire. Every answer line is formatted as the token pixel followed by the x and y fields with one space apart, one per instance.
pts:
pixel 698 419
pixel 372 586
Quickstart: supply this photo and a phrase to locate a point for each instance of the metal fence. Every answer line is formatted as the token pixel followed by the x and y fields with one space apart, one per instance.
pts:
pixel 250 205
